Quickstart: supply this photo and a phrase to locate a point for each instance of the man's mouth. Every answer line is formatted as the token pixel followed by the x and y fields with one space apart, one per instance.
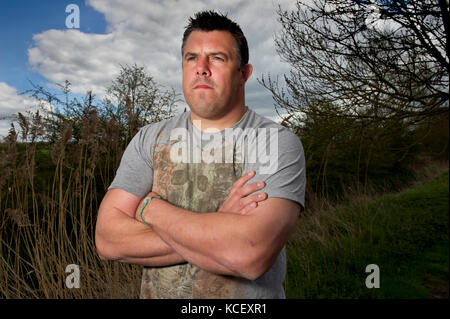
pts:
pixel 202 86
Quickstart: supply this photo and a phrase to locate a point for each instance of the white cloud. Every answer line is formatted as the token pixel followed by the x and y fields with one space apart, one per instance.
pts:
pixel 149 34
pixel 88 61
pixel 11 103
pixel 376 22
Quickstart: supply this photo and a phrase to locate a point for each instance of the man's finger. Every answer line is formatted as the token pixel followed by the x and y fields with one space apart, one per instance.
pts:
pixel 251 188
pixel 248 208
pixel 242 180
pixel 245 201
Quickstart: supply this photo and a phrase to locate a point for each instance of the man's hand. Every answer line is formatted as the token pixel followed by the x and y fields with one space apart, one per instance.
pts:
pixel 238 201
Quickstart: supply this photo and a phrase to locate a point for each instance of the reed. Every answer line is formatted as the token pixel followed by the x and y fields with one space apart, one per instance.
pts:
pixel 49 210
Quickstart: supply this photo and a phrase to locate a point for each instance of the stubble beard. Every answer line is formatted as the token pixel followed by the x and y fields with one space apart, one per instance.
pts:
pixel 209 109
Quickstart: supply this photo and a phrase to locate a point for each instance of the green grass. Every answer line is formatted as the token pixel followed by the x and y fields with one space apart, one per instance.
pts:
pixel 405 234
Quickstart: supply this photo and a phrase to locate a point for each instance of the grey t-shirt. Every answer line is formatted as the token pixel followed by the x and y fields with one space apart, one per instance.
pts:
pixel 195 170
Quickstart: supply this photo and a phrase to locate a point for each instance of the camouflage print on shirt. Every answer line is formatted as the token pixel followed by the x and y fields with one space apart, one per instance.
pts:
pixel 202 188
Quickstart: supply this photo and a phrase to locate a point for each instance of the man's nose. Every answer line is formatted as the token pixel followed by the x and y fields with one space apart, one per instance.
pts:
pixel 203 67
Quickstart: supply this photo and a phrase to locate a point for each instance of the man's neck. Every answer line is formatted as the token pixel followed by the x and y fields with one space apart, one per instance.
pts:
pixel 224 122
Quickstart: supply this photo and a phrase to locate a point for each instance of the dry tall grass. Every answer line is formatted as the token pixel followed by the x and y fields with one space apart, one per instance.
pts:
pixel 48 225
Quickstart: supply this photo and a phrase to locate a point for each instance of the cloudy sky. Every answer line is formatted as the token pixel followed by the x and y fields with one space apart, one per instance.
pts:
pixel 37 45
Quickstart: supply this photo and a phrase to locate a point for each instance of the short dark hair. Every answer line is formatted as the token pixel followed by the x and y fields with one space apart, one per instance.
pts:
pixel 210 21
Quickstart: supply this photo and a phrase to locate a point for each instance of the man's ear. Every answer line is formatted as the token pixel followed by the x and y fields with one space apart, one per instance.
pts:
pixel 246 71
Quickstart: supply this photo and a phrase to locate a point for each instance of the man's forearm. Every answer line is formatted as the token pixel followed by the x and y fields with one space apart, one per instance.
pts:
pixel 205 240
pixel 122 238
pixel 158 261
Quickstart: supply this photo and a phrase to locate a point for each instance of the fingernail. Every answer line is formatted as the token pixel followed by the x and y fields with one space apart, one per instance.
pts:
pixel 261 195
pixel 260 184
pixel 250 173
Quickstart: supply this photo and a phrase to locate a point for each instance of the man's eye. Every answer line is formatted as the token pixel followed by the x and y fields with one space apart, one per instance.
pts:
pixel 218 58
pixel 190 58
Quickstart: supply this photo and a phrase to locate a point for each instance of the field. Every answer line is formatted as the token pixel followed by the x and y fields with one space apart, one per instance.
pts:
pixel 406 235
pixel 49 202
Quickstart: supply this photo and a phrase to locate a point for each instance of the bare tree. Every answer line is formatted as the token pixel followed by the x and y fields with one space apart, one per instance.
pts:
pixel 135 99
pixel 374 60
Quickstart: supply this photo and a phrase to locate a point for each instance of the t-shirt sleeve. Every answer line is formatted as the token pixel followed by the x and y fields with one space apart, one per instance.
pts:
pixel 284 171
pixel 135 172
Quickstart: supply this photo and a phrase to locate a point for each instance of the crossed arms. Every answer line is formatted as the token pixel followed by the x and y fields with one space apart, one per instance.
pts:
pixel 243 238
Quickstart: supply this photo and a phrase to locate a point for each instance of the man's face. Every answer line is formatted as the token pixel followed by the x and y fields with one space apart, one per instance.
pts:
pixel 212 81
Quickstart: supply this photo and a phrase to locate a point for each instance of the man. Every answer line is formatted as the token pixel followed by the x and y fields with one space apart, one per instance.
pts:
pixel 202 230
